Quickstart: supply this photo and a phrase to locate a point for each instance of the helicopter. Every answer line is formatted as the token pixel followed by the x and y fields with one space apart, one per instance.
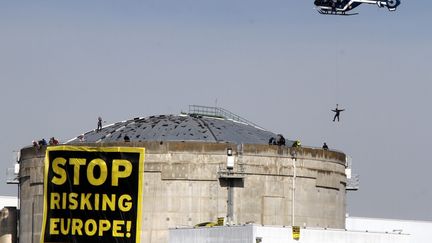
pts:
pixel 342 7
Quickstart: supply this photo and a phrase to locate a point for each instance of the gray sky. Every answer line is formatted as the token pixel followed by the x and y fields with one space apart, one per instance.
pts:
pixel 277 63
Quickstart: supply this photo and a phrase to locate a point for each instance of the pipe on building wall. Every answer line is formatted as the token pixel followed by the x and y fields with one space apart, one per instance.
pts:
pixel 294 159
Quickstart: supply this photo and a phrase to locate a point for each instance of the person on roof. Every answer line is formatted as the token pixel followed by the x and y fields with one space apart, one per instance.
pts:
pixel 272 141
pixel 42 142
pixel 81 138
pixel 337 112
pixel 280 140
pixel 296 144
pixel 53 141
pixel 325 147
pixel 99 124
pixel 35 144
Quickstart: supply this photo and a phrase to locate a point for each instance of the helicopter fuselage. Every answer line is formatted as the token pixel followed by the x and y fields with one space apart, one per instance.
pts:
pixel 341 7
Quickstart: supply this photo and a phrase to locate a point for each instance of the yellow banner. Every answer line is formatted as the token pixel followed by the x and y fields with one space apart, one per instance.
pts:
pixel 92 194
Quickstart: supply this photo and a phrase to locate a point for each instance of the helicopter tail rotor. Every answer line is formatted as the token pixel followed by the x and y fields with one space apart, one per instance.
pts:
pixel 392 4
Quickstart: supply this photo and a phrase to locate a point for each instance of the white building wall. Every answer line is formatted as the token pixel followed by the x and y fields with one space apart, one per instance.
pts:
pixel 272 234
pixel 234 234
pixel 6 201
pixel 278 235
pixel 420 231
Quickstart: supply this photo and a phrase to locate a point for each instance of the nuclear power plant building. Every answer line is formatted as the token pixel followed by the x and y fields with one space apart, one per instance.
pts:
pixel 204 167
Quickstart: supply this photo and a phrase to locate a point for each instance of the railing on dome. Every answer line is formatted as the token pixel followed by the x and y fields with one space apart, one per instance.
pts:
pixel 218 112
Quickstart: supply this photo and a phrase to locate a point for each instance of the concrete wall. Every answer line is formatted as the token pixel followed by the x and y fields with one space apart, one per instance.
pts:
pixel 8 225
pixel 185 184
pixel 269 234
pixel 31 194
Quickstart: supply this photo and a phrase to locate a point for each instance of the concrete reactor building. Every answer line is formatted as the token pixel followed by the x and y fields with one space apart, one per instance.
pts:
pixel 204 165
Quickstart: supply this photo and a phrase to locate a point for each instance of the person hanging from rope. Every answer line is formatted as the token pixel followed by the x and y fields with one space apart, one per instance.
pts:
pixel 337 112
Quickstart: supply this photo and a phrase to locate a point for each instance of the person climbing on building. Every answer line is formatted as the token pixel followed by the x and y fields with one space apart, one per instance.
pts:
pixel 337 112
pixel 99 124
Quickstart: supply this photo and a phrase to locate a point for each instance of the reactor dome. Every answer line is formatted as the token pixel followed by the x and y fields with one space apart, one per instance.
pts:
pixel 195 126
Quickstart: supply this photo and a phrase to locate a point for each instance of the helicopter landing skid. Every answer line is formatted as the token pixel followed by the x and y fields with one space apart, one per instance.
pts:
pixel 331 12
